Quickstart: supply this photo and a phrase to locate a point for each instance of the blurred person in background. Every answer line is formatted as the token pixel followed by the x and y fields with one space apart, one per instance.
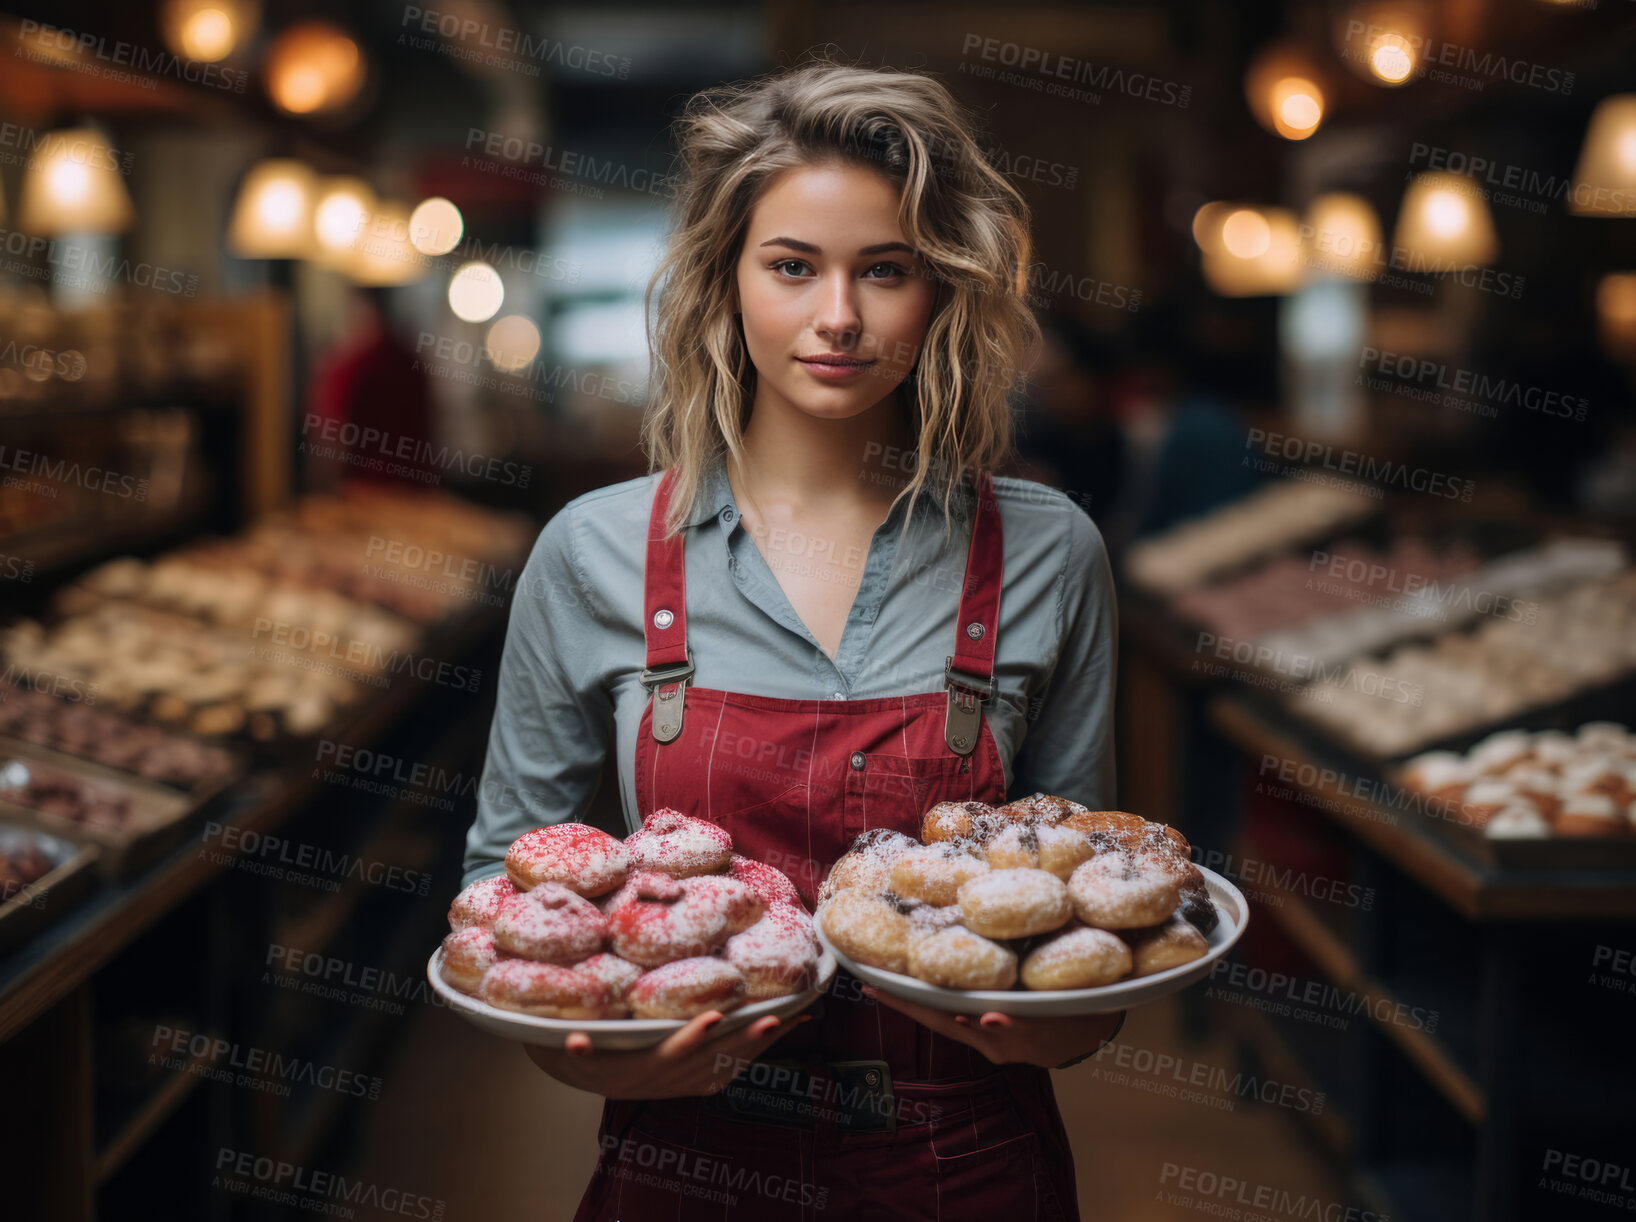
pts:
pixel 373 406
pixel 1186 443
pixel 1067 438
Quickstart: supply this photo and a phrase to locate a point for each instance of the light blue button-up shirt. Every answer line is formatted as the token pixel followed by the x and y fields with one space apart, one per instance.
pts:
pixel 568 686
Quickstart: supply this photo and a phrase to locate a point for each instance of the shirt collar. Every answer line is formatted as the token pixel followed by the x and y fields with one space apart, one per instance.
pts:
pixel 716 494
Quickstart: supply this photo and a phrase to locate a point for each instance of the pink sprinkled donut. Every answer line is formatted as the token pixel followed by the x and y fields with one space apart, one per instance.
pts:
pixel 550 924
pixel 770 883
pixel 547 990
pixel 618 974
pixel 686 988
pixel 778 955
pixel 582 858
pixel 679 845
pixel 467 957
pixel 480 903
pixel 740 905
pixel 656 930
pixel 641 884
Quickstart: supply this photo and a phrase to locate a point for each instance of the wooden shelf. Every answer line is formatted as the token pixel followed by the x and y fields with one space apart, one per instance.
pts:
pixel 148 1117
pixel 36 975
pixel 1477 891
pixel 1320 944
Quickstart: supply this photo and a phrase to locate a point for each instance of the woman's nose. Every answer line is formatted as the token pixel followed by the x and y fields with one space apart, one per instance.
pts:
pixel 837 309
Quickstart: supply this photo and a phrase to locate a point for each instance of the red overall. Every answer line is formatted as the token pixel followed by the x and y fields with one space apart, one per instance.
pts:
pixel 794 782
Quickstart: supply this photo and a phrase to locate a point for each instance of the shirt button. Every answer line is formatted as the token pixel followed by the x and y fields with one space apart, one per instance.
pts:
pixel 838 696
pixel 857 760
pixel 727 515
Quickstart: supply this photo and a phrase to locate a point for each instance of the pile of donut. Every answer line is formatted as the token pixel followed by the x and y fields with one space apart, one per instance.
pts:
pixel 1041 891
pixel 667 923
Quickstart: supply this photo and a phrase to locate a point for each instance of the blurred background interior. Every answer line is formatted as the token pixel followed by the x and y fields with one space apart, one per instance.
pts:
pixel 311 315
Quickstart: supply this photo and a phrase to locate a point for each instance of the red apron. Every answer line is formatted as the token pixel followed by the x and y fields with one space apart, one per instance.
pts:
pixel 794 782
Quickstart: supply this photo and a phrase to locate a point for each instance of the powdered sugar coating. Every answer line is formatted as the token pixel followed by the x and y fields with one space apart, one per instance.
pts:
pixel 955 957
pixel 778 955
pixel 1077 958
pixel 550 924
pixel 687 987
pixel 582 858
pixel 480 903
pixel 867 865
pixel 935 872
pixel 618 974
pixel 866 927
pixel 641 884
pixel 1166 946
pixel 740 905
pixel 771 884
pixel 679 845
pixel 547 990
pixel 960 821
pixel 653 932
pixel 1039 846
pixel 1015 903
pixel 1116 890
pixel 467 956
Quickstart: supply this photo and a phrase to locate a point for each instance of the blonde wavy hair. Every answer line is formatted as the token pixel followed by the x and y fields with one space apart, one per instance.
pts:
pixel 969 224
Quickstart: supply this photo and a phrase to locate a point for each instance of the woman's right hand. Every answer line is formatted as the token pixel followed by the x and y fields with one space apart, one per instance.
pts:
pixel 688 1062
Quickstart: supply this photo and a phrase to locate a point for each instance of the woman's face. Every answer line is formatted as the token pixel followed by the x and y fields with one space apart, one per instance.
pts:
pixel 825 270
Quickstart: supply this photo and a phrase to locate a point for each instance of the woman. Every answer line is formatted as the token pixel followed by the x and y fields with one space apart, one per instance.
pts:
pixel 774 635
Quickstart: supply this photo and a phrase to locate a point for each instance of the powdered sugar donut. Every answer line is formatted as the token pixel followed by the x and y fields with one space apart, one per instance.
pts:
pixel 771 884
pixel 959 821
pixel 1015 903
pixel 480 903
pixel 1157 846
pixel 867 927
pixel 1114 890
pixel 741 907
pixel 618 974
pixel 582 858
pixel 935 872
pixel 867 865
pixel 641 884
pixel 1040 846
pixel 678 845
pixel 655 929
pixel 778 955
pixel 956 958
pixel 1039 807
pixel 1077 958
pixel 687 987
pixel 467 957
pixel 547 990
pixel 1164 946
pixel 550 924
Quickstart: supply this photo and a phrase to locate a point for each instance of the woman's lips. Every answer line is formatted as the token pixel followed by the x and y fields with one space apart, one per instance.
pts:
pixel 834 370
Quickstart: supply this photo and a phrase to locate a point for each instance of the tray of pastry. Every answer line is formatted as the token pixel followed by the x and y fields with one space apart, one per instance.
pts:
pixel 41 877
pixel 1543 798
pixel 188 676
pixel 626 940
pixel 1038 907
pixel 132 821
pixel 139 749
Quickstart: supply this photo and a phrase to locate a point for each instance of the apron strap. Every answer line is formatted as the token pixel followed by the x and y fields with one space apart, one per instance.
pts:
pixel 968 673
pixel 664 617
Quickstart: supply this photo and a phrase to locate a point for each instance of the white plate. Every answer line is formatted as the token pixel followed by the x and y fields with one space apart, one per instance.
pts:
pixel 1232 910
pixel 613 1034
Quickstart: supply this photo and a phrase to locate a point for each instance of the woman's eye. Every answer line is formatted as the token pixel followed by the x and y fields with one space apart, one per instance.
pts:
pixel 892 269
pixel 787 263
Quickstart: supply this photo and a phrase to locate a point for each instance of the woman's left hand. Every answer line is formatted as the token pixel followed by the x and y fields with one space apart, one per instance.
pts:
pixel 1005 1038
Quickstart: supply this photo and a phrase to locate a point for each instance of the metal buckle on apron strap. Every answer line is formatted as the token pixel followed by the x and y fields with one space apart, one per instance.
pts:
pixel 667 703
pixel 858 1095
pixel 963 721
